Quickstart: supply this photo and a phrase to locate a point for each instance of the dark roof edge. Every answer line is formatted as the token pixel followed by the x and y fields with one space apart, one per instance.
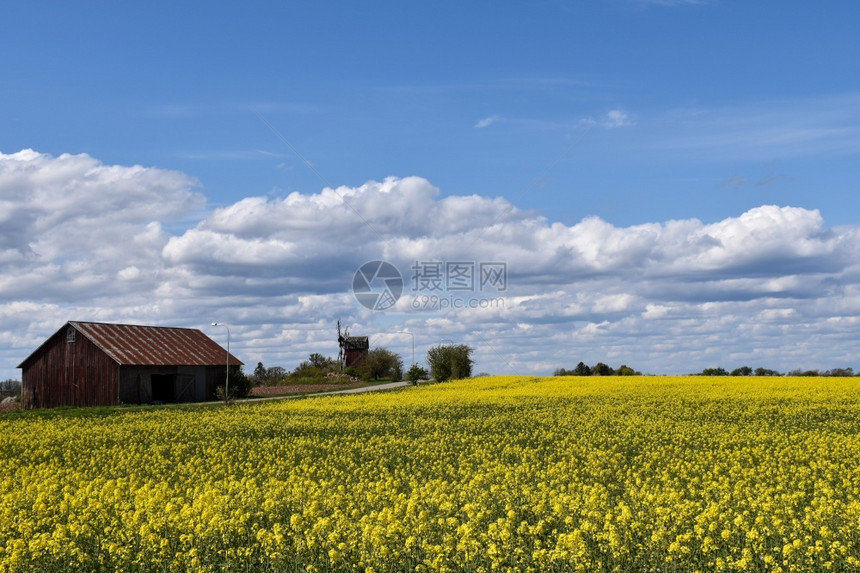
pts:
pixel 129 324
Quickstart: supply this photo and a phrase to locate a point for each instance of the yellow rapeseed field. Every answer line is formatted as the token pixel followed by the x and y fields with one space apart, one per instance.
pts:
pixel 492 474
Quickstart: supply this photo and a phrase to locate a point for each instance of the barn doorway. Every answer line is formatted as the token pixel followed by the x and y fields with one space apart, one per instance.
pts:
pixel 163 386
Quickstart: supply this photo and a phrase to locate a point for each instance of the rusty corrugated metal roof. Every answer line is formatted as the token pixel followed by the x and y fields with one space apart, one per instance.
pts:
pixel 155 345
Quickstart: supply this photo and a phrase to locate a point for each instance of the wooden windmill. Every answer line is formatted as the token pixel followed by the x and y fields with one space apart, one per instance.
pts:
pixel 353 349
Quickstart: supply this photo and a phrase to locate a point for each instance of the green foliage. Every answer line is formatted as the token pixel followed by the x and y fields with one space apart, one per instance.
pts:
pixel 317 360
pixel 240 382
pixel 416 373
pixel 305 374
pixel 582 370
pixel 240 385
pixel 450 361
pixel 276 375
pixel 800 372
pixel 599 369
pixel 766 372
pixel 260 374
pixel 317 369
pixel 747 371
pixel 352 372
pixel 222 396
pixel 381 363
pixel 11 388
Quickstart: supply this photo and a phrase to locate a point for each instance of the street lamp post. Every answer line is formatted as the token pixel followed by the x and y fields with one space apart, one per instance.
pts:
pixel 227 371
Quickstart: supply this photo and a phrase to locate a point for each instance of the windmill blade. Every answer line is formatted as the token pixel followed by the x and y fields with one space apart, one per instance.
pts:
pixel 340 343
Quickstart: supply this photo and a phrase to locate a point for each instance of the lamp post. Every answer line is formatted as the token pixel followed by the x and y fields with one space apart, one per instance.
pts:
pixel 227 371
pixel 413 342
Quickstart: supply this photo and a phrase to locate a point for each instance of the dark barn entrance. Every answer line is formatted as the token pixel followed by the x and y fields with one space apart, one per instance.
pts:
pixel 162 387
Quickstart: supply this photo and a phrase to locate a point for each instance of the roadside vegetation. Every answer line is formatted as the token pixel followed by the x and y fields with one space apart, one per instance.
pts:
pixel 10 395
pixel 321 373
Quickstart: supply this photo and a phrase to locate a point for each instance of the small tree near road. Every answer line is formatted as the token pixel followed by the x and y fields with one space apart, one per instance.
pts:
pixel 450 361
pixel 240 385
pixel 416 373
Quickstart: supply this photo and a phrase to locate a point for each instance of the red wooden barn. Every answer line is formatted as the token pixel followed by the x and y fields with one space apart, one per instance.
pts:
pixel 98 364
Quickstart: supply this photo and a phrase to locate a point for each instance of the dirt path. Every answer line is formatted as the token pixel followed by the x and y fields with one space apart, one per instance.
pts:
pixel 372 388
pixel 389 386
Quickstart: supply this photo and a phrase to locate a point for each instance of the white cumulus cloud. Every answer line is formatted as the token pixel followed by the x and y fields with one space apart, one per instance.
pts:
pixel 773 286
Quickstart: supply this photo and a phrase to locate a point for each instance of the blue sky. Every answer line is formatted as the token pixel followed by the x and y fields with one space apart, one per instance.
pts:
pixel 633 113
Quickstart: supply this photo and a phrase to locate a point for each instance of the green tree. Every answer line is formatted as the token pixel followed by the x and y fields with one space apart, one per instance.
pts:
pixel 240 381
pixel 625 370
pixel 601 369
pixel 714 372
pixel 260 374
pixel 381 363
pixel 450 361
pixel 416 373
pixel 240 385
pixel 317 360
pixel 800 372
pixel 742 371
pixel 312 371
pixel 582 369
pixel 10 387
pixel 461 361
pixel 440 365
pixel 276 375
pixel 766 372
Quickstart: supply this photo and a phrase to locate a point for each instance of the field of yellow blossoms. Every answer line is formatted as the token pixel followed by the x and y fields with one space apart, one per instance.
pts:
pixel 491 474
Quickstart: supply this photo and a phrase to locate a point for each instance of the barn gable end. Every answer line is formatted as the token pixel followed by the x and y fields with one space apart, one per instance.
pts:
pixel 69 370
